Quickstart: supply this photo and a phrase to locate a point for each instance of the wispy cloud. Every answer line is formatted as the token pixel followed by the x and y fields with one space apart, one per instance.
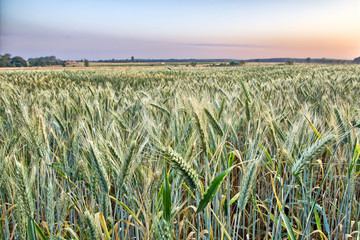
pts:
pixel 226 45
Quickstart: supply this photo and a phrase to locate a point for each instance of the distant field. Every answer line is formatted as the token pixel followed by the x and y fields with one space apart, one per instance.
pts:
pixel 146 152
pixel 96 65
pixel 103 65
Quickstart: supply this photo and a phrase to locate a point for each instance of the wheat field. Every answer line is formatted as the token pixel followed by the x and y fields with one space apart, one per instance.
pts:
pixel 250 152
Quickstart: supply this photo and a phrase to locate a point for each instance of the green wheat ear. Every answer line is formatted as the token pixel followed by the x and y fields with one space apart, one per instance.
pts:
pixel 247 184
pixel 126 165
pixel 215 125
pixel 24 191
pixel 162 109
pixel 99 166
pixel 311 152
pixel 200 131
pixel 90 223
pixel 183 167
pixel 24 200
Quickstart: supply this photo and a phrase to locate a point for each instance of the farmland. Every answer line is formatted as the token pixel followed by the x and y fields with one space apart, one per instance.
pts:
pixel 250 152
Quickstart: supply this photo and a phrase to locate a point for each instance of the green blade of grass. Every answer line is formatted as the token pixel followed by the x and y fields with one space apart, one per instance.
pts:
pixel 212 189
pixel 166 198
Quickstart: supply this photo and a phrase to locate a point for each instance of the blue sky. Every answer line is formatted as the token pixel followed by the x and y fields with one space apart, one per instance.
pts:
pixel 242 29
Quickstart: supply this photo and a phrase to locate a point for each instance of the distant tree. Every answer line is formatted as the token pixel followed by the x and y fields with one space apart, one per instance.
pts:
pixel 18 61
pixel 63 64
pixel 132 59
pixel 242 62
pixel 356 60
pixel 86 62
pixel 38 62
pixel 290 62
pixel 42 63
pixel 193 64
pixel 308 60
pixel 5 62
pixel 52 59
pixel 232 63
pixel 7 55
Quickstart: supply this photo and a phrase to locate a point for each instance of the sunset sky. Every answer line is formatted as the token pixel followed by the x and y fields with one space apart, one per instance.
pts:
pixel 243 29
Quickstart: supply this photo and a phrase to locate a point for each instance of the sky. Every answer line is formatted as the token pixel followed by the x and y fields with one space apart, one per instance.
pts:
pixel 242 29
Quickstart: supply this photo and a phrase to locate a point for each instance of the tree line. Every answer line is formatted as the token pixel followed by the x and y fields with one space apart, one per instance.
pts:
pixel 7 61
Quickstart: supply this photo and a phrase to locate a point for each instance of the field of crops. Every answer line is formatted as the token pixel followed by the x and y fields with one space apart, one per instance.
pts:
pixel 253 152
